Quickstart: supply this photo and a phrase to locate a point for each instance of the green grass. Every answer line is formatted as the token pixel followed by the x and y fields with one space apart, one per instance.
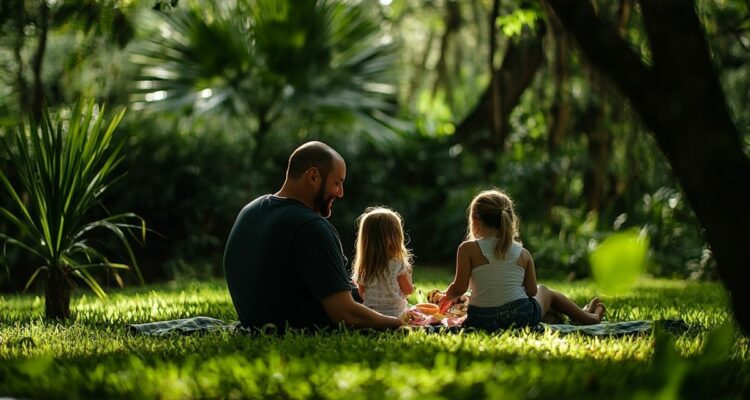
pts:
pixel 94 357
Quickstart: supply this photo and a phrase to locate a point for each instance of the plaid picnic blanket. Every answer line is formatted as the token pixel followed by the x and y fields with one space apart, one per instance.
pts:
pixel 192 325
pixel 619 328
pixel 185 326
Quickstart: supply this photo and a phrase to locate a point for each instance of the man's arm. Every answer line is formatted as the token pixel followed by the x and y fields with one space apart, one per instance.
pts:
pixel 341 307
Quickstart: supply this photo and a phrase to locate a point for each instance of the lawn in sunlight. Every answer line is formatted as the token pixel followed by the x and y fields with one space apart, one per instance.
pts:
pixel 93 356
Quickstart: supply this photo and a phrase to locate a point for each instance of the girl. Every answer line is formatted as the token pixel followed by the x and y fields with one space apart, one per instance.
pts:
pixel 501 273
pixel 382 263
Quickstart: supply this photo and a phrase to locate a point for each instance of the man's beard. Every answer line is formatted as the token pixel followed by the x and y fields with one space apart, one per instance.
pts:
pixel 323 204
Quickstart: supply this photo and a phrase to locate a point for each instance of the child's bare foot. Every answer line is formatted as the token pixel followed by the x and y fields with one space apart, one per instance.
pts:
pixel 594 312
pixel 591 307
pixel 599 310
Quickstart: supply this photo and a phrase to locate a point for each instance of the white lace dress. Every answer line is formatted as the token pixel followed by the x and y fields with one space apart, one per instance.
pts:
pixel 384 295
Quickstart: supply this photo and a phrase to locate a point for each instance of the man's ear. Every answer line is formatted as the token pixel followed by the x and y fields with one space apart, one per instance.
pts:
pixel 312 174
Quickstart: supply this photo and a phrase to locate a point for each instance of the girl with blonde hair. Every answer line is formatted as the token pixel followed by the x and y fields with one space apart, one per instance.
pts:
pixel 382 263
pixel 501 274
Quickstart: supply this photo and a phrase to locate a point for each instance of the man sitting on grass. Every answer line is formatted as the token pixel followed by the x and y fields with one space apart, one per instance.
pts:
pixel 284 262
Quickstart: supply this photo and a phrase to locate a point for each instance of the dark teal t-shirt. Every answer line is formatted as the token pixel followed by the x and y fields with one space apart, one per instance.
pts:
pixel 281 260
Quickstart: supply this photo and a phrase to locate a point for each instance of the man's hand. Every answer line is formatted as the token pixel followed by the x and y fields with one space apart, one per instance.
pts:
pixel 341 307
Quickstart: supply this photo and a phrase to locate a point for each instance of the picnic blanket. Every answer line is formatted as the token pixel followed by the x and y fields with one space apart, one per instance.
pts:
pixel 193 325
pixel 185 326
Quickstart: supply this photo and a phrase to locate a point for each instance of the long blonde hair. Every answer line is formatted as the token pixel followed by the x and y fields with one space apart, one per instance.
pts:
pixel 380 239
pixel 491 214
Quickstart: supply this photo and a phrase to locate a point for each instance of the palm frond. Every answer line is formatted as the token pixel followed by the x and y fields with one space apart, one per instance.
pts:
pixel 63 166
pixel 22 245
pixel 265 58
pixel 100 265
pixel 118 232
pixel 90 281
pixel 33 277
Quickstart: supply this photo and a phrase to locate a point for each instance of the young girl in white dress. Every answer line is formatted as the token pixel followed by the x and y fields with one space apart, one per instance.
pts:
pixel 382 263
pixel 501 273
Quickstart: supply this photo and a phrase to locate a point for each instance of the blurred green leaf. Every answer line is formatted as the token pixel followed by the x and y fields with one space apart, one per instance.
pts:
pixel 35 366
pixel 718 346
pixel 619 261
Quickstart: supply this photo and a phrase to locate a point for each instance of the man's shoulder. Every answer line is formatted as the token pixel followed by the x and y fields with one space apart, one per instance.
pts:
pixel 317 225
pixel 282 208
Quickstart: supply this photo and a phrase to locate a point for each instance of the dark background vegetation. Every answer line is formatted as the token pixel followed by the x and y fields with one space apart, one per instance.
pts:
pixel 564 144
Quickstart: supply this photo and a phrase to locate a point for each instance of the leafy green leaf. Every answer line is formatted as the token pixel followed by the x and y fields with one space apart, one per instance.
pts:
pixel 619 261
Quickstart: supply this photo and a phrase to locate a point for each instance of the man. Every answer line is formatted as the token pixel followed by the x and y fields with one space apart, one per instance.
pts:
pixel 283 261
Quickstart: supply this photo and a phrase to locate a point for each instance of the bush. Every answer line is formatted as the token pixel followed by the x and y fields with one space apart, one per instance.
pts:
pixel 191 183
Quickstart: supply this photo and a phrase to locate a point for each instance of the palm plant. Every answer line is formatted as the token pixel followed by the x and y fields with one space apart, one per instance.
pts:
pixel 63 169
pixel 269 59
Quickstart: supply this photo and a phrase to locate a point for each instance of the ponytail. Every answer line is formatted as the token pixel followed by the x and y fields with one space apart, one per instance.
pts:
pixel 506 233
pixel 494 209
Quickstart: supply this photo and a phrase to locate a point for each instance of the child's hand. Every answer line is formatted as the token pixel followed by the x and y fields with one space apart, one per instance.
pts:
pixel 411 317
pixel 445 304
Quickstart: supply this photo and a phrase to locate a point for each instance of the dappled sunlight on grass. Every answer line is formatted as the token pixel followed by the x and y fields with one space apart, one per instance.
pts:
pixel 93 355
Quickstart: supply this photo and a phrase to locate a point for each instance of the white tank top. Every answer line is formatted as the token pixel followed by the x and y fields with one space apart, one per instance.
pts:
pixel 499 281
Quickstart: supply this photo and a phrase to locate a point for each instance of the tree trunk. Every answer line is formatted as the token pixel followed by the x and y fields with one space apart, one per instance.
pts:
pixel 57 295
pixel 37 99
pixel 679 98
pixel 559 110
pixel 520 63
pixel 497 120
pixel 420 69
pixel 599 149
pixel 452 24
pixel 18 42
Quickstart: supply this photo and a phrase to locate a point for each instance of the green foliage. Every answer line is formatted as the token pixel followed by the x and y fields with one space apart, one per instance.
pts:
pixel 95 356
pixel 192 180
pixel 675 237
pixel 269 60
pixel 76 45
pixel 697 377
pixel 513 24
pixel 618 261
pixel 328 70
pixel 63 166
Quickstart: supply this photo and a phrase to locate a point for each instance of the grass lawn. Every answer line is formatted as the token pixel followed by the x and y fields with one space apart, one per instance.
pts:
pixel 94 357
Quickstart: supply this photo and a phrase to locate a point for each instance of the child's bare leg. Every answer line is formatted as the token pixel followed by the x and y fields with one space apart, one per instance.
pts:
pixel 551 300
pixel 553 317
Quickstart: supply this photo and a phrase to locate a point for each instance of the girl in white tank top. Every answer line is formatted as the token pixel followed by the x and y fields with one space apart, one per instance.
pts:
pixel 501 273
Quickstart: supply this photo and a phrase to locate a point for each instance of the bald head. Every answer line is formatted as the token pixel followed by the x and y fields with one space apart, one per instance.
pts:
pixel 311 154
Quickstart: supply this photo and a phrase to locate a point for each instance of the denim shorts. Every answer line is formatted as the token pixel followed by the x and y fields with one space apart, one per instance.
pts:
pixel 517 313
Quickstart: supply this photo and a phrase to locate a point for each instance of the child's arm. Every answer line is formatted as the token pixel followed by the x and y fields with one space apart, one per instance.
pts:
pixel 529 279
pixel 405 284
pixel 463 272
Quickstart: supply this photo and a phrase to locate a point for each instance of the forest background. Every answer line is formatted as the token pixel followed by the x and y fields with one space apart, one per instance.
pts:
pixel 428 101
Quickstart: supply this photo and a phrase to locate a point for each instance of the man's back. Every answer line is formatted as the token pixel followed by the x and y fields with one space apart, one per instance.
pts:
pixel 280 261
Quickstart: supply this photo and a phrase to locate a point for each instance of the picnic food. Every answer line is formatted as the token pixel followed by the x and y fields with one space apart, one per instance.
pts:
pixel 427 308
pixel 459 306
pixel 434 296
